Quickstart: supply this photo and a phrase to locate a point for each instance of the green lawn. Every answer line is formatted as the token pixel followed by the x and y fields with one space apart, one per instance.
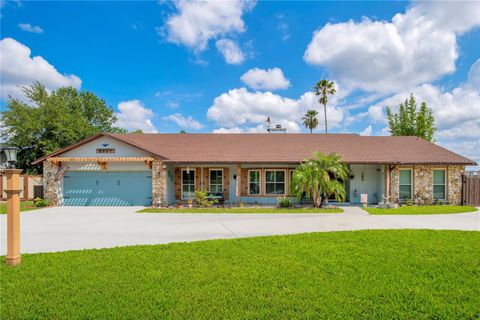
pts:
pixel 24 206
pixel 395 274
pixel 422 210
pixel 241 210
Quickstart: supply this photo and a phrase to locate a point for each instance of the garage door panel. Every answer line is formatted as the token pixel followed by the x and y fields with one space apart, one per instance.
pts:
pixel 107 188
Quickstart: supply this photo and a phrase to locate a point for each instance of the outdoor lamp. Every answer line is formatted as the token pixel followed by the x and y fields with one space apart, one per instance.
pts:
pixel 11 154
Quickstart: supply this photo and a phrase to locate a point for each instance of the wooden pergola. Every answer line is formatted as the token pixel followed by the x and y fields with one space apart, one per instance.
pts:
pixel 103 161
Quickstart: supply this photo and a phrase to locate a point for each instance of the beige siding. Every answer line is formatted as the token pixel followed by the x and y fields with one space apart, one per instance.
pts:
pixel 27 183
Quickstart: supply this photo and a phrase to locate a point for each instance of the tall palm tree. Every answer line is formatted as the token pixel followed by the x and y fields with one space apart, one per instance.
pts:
pixel 320 177
pixel 324 88
pixel 310 120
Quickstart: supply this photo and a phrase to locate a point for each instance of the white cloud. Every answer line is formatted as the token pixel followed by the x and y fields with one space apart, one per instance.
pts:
pixel 172 104
pixel 414 48
pixel 228 130
pixel 240 109
pixel 468 148
pixel 30 28
pixel 367 131
pixel 18 68
pixel 184 122
pixel 199 21
pixel 450 109
pixel 270 79
pixel 376 113
pixel 457 112
pixel 133 115
pixel 282 27
pixel 230 51
pixel 473 80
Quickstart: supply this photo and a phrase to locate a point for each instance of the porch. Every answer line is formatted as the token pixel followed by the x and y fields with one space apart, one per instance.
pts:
pixel 262 184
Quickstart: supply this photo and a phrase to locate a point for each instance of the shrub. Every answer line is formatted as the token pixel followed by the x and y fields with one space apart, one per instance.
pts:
pixel 409 202
pixel 284 202
pixel 201 199
pixel 40 203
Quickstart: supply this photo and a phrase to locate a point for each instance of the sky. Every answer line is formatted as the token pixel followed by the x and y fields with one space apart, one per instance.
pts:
pixel 225 66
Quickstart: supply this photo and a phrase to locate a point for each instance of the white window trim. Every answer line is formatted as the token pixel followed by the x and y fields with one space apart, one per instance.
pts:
pixel 181 182
pixel 259 182
pixel 444 185
pixel 210 177
pixel 284 183
pixel 411 183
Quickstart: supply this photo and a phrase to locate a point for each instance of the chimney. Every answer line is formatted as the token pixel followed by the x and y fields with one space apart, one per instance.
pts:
pixel 278 129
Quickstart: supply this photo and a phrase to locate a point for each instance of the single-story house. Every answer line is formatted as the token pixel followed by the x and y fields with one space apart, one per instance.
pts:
pixel 162 169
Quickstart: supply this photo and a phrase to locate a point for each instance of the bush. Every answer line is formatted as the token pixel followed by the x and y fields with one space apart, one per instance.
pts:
pixel 201 199
pixel 409 202
pixel 284 202
pixel 41 203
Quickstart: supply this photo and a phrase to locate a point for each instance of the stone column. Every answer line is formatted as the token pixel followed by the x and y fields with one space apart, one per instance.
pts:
pixel 423 179
pixel 52 188
pixel 454 184
pixel 394 192
pixel 159 184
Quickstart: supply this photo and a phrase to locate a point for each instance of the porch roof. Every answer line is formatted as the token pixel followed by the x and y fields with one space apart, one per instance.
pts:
pixel 283 148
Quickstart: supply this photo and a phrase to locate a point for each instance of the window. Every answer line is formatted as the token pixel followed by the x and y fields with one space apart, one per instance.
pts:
pixel 188 184
pixel 274 182
pixel 106 150
pixel 216 180
pixel 254 182
pixel 405 184
pixel 439 184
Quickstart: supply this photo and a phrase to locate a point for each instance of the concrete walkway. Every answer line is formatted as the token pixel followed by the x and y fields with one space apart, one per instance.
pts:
pixel 73 228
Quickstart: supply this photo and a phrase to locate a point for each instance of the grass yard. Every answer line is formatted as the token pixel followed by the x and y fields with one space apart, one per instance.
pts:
pixel 24 206
pixel 396 274
pixel 422 210
pixel 241 210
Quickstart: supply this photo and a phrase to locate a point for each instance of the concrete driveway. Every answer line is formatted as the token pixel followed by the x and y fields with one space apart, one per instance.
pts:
pixel 73 228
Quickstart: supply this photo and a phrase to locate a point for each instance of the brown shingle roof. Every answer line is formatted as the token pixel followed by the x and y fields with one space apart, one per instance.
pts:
pixel 287 148
pixel 264 147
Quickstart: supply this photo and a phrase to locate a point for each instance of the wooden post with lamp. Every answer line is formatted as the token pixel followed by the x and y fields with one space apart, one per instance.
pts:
pixel 13 206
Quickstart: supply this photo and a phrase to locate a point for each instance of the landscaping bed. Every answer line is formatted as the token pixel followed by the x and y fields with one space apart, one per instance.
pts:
pixel 421 210
pixel 242 210
pixel 395 274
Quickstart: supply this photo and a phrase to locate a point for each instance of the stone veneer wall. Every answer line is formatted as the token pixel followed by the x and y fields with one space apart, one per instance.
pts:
pixel 423 183
pixel 52 189
pixel 454 187
pixel 159 184
pixel 394 174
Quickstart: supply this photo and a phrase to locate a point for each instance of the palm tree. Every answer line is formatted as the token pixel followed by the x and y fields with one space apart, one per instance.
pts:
pixel 320 177
pixel 310 120
pixel 324 88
